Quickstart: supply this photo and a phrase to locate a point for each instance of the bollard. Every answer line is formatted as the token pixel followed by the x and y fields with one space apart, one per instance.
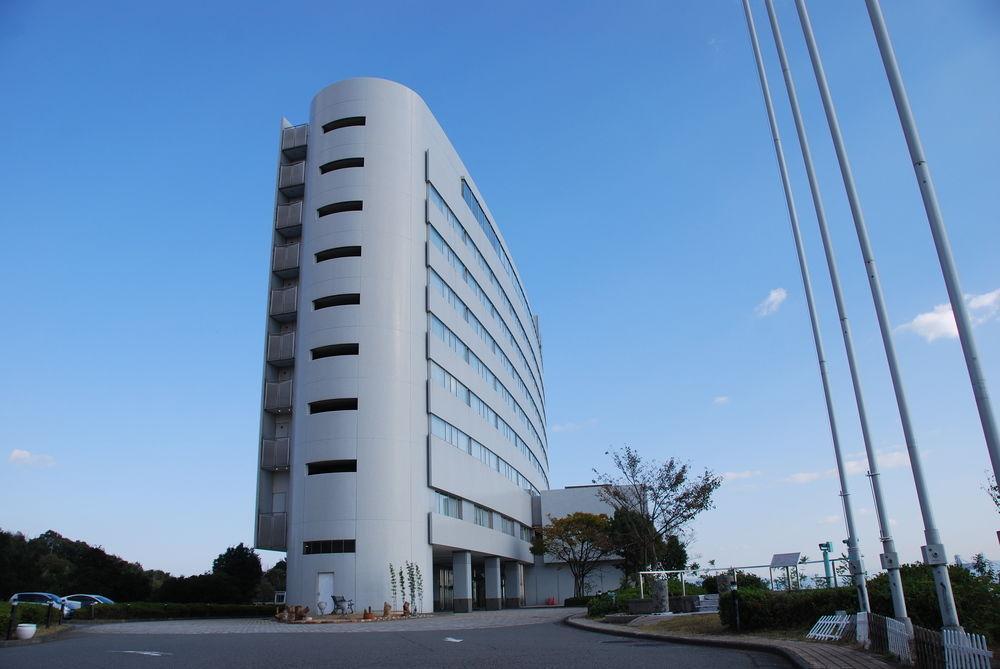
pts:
pixel 48 616
pixel 12 620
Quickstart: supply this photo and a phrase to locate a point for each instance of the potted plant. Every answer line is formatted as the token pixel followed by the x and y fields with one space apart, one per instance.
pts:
pixel 26 630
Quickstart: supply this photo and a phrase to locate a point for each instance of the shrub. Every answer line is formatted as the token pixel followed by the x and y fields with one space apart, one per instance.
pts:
pixel 763 609
pixel 602 606
pixel 26 613
pixel 977 598
pixel 153 610
pixel 576 601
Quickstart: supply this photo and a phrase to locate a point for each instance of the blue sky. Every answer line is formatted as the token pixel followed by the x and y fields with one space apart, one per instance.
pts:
pixel 624 150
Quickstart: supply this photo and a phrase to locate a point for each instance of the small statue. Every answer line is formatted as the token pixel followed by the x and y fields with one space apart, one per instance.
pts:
pixel 406 609
pixel 386 610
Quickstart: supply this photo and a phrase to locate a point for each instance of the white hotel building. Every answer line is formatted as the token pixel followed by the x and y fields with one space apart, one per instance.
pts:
pixel 403 409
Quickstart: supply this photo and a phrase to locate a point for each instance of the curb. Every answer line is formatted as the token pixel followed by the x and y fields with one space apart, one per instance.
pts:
pixel 577 620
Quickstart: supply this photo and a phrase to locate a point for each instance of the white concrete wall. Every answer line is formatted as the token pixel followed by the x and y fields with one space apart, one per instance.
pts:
pixel 387 505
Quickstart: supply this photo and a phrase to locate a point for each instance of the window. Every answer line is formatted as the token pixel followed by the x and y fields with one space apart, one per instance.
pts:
pixel 484 517
pixel 336 300
pixel 333 350
pixel 341 164
pixel 448 505
pixel 328 546
pixel 343 123
pixel 339 207
pixel 332 467
pixel 338 252
pixel 343 404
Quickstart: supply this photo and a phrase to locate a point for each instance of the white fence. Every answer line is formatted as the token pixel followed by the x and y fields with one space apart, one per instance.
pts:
pixel 899 640
pixel 861 629
pixel 965 651
pixel 830 628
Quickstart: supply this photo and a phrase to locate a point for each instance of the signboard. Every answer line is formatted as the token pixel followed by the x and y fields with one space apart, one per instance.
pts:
pixel 784 560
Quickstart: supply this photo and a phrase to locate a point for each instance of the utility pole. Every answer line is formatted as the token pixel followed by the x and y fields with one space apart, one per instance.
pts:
pixel 889 557
pixel 854 553
pixel 938 232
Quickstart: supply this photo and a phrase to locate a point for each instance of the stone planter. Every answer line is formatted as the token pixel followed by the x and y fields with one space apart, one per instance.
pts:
pixel 25 631
pixel 639 606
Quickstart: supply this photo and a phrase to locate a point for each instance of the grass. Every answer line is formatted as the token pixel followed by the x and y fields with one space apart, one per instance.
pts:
pixel 710 625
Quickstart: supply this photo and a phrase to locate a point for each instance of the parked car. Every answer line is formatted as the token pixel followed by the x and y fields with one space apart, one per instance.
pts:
pixel 55 601
pixel 87 600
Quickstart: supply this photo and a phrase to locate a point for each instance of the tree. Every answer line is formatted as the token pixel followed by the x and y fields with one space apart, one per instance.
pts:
pixel 660 498
pixel 640 546
pixel 242 565
pixel 994 490
pixel 581 540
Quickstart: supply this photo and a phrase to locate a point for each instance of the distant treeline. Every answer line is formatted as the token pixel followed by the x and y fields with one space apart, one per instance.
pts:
pixel 53 563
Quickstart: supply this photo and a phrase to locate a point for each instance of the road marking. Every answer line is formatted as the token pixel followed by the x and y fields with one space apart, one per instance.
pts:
pixel 150 653
pixel 448 638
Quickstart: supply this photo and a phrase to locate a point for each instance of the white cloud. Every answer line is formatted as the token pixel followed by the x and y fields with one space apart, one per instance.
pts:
pixel 29 459
pixel 893 459
pixel 939 323
pixel 829 520
pixel 771 303
pixel 720 399
pixel 573 427
pixel 736 476
pixel 804 477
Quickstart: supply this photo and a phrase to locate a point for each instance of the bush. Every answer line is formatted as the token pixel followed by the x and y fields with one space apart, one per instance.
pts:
pixel 763 609
pixel 576 601
pixel 977 598
pixel 26 613
pixel 153 610
pixel 602 606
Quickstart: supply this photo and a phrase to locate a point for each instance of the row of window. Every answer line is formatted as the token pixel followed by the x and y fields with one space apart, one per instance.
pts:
pixel 456 225
pixel 444 379
pixel 491 235
pixel 328 546
pixel 452 298
pixel 445 431
pixel 447 505
pixel 452 258
pixel 441 331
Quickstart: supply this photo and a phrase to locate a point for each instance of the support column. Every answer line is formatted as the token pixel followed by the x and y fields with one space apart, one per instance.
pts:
pixel 494 599
pixel 461 566
pixel 514 585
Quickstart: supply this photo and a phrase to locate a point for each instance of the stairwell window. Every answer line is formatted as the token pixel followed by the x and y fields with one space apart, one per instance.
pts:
pixel 340 404
pixel 343 123
pixel 341 164
pixel 340 207
pixel 336 300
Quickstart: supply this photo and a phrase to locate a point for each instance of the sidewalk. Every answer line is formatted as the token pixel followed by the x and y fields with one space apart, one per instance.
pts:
pixel 803 654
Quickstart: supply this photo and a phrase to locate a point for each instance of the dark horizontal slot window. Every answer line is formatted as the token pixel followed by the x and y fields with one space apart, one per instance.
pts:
pixel 339 207
pixel 344 123
pixel 343 404
pixel 334 349
pixel 339 252
pixel 336 300
pixel 332 467
pixel 328 546
pixel 341 164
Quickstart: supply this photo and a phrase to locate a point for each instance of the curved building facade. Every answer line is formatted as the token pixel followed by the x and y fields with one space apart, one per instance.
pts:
pixel 403 408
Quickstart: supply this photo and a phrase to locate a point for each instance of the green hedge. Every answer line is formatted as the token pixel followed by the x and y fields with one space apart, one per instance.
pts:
pixel 798 609
pixel 152 610
pixel 26 613
pixel 577 601
pixel 976 597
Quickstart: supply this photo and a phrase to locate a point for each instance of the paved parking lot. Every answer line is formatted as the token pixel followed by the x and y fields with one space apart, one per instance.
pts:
pixel 442 621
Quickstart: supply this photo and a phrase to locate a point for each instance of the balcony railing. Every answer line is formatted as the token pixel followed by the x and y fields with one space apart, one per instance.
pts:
pixel 278 397
pixel 281 349
pixel 271 528
pixel 292 179
pixel 274 454
pixel 289 219
pixel 283 303
pixel 285 260
pixel 294 140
